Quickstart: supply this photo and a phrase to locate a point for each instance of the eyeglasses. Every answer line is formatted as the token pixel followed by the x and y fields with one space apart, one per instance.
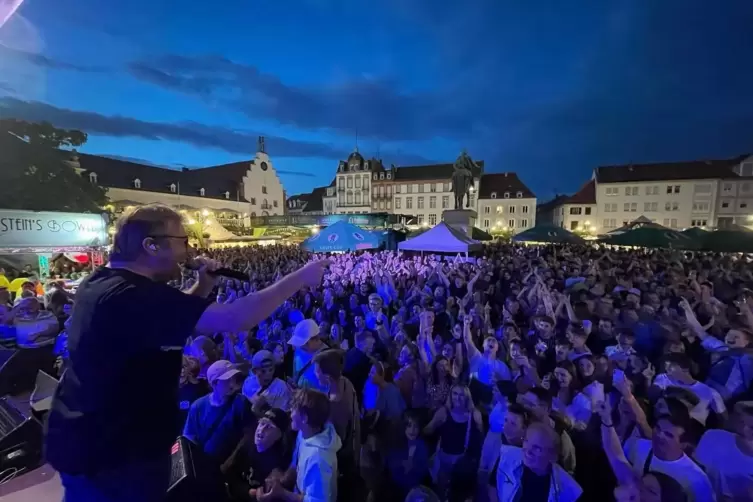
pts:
pixel 183 238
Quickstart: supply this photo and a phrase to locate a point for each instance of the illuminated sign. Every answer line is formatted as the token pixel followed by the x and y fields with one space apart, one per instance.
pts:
pixel 32 229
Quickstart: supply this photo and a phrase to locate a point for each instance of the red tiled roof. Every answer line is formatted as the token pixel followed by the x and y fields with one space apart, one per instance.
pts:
pixel 586 194
pixel 684 170
pixel 499 183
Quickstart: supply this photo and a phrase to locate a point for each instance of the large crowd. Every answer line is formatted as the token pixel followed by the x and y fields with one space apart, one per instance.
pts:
pixel 538 373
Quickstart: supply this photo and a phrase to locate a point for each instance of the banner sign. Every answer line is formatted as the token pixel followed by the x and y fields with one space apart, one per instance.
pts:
pixel 368 220
pixel 32 229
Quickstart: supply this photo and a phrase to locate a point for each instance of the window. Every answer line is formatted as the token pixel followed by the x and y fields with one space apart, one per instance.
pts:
pixel 253 201
pixel 350 198
pixel 432 202
pixel 137 183
pixel 507 195
pixel 743 205
pixel 610 208
pixel 409 188
pixel 646 207
pixel 524 210
pixel 421 187
pixel 523 223
pixel 612 191
pixel 701 207
pixel 389 176
pixel 389 204
pixel 666 222
pixel 264 188
pixel 673 223
pixel 631 190
pixel 447 187
pixel 433 187
pixel 472 200
pixel 350 182
pixel 397 203
pixel 675 206
pixel 574 225
pixel 366 181
pixel 668 206
pixel 486 223
pixel 375 176
pixel 519 195
pixel 202 192
pixel 445 201
pixel 626 207
pixel 433 219
pixel 745 187
pixel 725 205
pixel 576 210
pixel 698 223
pixel 381 204
pixel 487 210
pixel 494 195
pixel 358 182
pixel 420 203
pixel 511 224
pixel 605 223
pixel 511 210
pixel 358 198
pixel 173 187
pixel 92 177
pixel 677 188
pixel 727 188
pixel 398 188
pixel 274 203
pixel 381 176
pixel 409 203
pixel 420 219
pixel 227 196
pixel 500 209
pixel 652 190
pixel 669 188
pixel 702 188
pixel 633 207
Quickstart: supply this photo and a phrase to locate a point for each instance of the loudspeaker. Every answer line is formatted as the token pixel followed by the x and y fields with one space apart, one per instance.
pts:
pixel 194 477
pixel 41 397
pixel 20 439
pixel 19 367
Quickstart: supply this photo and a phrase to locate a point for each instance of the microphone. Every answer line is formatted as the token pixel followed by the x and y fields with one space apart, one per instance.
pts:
pixel 222 272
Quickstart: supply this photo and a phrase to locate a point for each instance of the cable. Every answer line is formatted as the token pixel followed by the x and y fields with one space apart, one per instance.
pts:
pixel 6 476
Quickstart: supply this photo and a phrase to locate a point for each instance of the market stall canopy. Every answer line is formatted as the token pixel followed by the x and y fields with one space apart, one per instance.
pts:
pixel 441 238
pixel 639 222
pixel 480 235
pixel 652 237
pixel 729 241
pixel 548 233
pixel 339 237
pixel 697 233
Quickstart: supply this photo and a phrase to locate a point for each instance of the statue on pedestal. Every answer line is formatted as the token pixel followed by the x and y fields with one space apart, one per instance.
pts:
pixel 462 179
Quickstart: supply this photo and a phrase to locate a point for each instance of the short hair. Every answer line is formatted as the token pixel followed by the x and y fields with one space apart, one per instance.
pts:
pixel 517 409
pixel 542 395
pixel 314 405
pixel 421 494
pixel 136 225
pixel 361 337
pixel 680 360
pixel 331 362
pixel 547 430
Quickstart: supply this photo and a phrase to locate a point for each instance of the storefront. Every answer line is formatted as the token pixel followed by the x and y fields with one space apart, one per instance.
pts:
pixel 46 234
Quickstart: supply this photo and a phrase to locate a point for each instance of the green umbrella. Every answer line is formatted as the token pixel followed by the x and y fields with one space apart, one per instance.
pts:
pixel 697 233
pixel 479 235
pixel 548 233
pixel 653 237
pixel 729 241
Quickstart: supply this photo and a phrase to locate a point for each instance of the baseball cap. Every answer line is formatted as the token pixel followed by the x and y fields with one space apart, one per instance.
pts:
pixel 262 357
pixel 279 418
pixel 303 332
pixel 221 370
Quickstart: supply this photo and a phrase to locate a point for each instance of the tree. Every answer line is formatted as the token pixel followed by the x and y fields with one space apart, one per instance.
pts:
pixel 34 173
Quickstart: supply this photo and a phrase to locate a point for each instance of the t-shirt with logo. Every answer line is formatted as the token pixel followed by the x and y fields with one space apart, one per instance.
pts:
pixel 117 401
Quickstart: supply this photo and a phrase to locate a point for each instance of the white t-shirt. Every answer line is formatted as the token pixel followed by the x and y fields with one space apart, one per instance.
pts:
pixel 710 400
pixel 489 372
pixel 729 469
pixel 277 395
pixel 683 470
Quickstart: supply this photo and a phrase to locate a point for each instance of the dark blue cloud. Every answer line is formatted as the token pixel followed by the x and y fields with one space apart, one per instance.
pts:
pixel 200 135
pixel 46 62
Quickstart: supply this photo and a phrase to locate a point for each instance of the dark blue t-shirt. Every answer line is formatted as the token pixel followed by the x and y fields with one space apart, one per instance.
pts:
pixel 117 401
pixel 231 418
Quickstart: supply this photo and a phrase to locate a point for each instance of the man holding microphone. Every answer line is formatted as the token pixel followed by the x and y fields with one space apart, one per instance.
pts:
pixel 115 412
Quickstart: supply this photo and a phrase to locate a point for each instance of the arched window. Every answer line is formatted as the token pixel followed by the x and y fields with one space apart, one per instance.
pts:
pixel 227 195
pixel 519 195
pixel 494 195
pixel 93 177
pixel 137 183
pixel 173 187
pixel 202 192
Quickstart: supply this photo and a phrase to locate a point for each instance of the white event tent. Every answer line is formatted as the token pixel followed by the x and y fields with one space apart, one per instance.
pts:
pixel 441 239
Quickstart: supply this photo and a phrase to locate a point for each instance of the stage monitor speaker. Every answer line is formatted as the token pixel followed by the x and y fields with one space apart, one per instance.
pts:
pixel 194 477
pixel 19 367
pixel 20 439
pixel 41 397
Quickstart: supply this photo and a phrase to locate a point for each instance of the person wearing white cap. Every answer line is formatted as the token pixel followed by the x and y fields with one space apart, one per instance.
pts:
pixel 216 422
pixel 261 387
pixel 307 344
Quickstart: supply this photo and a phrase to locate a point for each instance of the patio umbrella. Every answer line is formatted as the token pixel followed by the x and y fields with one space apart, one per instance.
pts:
pixel 697 233
pixel 652 237
pixel 548 233
pixel 729 241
